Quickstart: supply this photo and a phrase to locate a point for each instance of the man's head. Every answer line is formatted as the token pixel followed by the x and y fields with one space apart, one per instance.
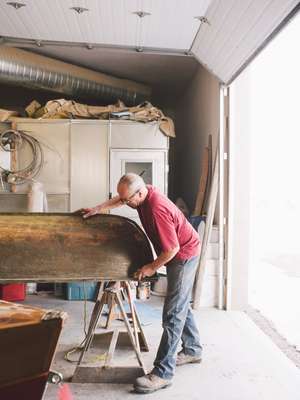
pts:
pixel 132 190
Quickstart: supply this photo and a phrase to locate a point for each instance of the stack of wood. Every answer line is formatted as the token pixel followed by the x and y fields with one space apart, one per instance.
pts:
pixel 205 207
pixel 205 181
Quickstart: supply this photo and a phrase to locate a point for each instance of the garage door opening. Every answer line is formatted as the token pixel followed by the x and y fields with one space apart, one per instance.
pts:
pixel 274 274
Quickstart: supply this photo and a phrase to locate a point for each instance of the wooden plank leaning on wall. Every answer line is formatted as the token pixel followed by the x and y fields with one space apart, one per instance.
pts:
pixel 207 232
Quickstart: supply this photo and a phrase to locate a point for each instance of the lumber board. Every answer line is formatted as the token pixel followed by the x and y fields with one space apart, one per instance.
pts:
pixel 207 232
pixel 202 182
pixel 40 247
pixel 209 177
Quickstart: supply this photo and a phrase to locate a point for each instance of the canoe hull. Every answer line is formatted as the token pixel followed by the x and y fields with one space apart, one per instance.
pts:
pixel 65 247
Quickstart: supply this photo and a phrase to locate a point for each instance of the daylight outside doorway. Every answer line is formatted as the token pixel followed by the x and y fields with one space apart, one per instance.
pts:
pixel 274 285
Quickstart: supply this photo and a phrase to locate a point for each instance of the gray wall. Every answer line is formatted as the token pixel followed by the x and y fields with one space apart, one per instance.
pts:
pixel 196 116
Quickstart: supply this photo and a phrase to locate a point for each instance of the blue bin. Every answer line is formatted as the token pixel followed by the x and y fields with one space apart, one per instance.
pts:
pixel 80 290
pixel 195 220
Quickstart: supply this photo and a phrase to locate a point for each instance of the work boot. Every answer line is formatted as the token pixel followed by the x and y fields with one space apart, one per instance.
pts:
pixel 150 383
pixel 183 358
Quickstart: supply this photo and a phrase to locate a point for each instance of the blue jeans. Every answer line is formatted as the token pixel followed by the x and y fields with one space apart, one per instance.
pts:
pixel 178 320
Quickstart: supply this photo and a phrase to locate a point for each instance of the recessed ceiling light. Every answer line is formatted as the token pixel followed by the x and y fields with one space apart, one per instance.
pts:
pixel 203 19
pixel 141 14
pixel 15 4
pixel 79 10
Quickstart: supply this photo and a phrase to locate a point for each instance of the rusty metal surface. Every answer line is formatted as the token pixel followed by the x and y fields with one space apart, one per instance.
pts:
pixel 65 247
pixel 27 346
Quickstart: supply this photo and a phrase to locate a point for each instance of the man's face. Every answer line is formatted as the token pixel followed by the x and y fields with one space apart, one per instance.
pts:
pixel 132 200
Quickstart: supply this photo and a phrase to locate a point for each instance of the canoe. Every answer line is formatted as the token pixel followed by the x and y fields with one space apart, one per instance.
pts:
pixel 28 339
pixel 39 247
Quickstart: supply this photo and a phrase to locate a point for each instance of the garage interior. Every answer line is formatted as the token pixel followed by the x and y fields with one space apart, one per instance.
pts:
pixel 187 56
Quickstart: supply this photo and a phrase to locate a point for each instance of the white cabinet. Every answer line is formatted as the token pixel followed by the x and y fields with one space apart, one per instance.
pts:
pixel 89 164
pixel 138 148
pixel 4 158
pixel 54 137
pixel 137 135
pixel 84 160
pixel 76 162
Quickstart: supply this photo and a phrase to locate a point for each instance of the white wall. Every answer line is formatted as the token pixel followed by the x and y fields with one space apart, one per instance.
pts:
pixel 239 193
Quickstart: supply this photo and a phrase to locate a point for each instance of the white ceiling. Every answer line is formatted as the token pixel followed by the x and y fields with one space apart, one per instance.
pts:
pixel 235 31
pixel 171 25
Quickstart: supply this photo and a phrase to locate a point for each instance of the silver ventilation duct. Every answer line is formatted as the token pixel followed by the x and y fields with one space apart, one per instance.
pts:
pixel 38 72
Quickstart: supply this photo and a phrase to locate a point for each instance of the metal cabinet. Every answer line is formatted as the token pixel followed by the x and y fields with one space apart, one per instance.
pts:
pixel 84 159
pixel 138 148
pixel 75 169
pixel 89 168
pixel 54 136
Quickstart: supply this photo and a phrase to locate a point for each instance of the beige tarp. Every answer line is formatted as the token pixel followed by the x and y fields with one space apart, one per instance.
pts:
pixel 62 108
pixel 6 114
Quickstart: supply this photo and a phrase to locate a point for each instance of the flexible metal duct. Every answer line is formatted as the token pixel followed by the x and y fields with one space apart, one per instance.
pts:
pixel 38 72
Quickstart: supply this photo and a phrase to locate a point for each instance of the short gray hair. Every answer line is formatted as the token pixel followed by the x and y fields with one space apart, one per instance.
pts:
pixel 133 181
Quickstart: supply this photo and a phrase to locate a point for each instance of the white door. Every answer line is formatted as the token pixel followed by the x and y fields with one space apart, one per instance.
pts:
pixel 150 164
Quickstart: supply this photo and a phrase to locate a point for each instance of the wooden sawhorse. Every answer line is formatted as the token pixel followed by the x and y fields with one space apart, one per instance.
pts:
pixel 113 296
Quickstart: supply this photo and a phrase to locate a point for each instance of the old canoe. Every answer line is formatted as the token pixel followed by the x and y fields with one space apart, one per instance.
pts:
pixel 65 247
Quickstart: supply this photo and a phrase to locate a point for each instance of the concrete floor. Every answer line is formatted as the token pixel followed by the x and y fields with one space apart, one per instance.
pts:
pixel 266 281
pixel 240 362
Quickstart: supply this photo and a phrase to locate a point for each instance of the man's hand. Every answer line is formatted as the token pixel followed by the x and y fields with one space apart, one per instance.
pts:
pixel 88 212
pixel 146 270
pixel 162 259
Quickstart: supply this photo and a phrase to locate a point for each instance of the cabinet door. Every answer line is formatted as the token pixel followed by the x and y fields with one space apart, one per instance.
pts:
pixel 89 164
pixel 54 137
pixel 136 135
pixel 4 158
pixel 150 164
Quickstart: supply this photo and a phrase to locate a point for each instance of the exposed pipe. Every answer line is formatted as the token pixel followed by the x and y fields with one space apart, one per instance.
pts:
pixel 39 72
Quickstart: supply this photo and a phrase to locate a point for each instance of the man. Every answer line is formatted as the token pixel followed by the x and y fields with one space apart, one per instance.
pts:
pixel 177 245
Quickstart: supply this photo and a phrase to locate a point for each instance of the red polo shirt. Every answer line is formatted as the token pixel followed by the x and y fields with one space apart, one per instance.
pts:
pixel 167 227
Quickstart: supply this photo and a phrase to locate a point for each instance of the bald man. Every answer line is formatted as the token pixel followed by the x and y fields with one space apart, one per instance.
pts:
pixel 177 246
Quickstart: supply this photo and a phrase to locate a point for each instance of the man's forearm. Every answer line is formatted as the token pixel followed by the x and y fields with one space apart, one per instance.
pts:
pixel 102 208
pixel 163 258
pixel 110 204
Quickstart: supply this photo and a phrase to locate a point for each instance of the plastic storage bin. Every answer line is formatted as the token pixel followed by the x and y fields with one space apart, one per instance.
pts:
pixel 80 290
pixel 13 292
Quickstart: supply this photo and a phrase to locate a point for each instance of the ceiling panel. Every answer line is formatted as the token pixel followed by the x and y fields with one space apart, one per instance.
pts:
pixel 170 25
pixel 236 30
